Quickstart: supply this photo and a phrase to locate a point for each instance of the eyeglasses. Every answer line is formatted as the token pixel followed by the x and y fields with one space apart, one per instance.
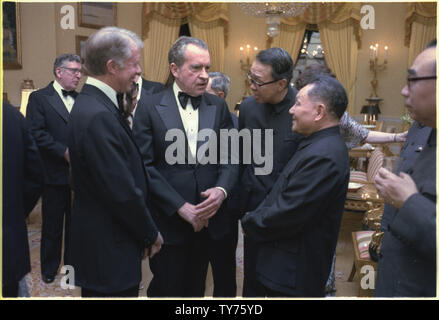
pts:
pixel 410 79
pixel 73 70
pixel 259 84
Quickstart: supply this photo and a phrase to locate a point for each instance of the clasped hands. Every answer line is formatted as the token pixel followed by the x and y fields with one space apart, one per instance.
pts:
pixel 198 215
pixel 395 189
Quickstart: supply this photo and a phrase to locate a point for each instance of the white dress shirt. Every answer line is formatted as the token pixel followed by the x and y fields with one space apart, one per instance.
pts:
pixel 189 117
pixel 105 88
pixel 68 101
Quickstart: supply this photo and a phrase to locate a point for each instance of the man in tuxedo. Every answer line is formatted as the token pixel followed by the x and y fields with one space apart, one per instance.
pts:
pixel 48 113
pixel 187 194
pixel 22 186
pixel 267 109
pixel 112 228
pixel 407 265
pixel 296 226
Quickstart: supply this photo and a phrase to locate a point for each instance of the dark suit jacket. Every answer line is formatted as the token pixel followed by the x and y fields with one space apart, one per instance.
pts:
pixel 416 140
pixel 22 185
pixel 152 87
pixel 407 267
pixel 174 184
pixel 253 115
pixel 297 225
pixel 48 118
pixel 111 223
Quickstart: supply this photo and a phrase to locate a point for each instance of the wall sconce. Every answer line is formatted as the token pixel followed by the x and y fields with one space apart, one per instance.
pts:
pixel 27 87
pixel 375 66
pixel 246 57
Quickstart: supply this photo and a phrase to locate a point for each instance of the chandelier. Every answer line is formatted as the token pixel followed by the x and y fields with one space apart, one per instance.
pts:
pixel 273 11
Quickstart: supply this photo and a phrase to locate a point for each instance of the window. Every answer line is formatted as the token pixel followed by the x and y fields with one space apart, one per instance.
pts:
pixel 311 52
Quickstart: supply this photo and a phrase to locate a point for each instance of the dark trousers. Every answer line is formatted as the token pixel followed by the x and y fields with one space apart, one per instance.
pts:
pixel 129 293
pixel 222 257
pixel 251 286
pixel 181 270
pixel 10 290
pixel 56 212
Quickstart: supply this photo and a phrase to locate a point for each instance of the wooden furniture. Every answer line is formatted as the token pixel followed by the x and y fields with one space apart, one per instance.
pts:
pixel 357 153
pixel 360 240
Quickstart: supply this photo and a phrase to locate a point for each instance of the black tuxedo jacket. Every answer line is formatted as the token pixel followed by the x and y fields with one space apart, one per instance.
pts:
pixel 174 184
pixel 152 87
pixel 297 225
pixel 48 118
pixel 22 185
pixel 111 223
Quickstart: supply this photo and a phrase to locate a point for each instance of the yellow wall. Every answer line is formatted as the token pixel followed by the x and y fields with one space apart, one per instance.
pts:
pixel 43 40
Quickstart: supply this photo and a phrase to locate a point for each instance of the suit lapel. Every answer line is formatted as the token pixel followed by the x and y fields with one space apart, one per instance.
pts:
pixel 206 120
pixel 56 103
pixel 101 96
pixel 168 111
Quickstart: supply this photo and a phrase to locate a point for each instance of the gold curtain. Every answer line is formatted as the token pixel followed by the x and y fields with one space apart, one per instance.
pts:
pixel 341 53
pixel 290 38
pixel 163 32
pixel 420 27
pixel 318 13
pixel 160 26
pixel 213 34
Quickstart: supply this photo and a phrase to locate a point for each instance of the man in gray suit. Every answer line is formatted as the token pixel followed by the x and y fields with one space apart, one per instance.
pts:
pixel 407 267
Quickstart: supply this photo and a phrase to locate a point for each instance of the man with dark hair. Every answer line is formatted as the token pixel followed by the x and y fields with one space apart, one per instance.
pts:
pixel 112 228
pixel 22 186
pixel 267 109
pixel 407 266
pixel 296 226
pixel 188 195
pixel 48 113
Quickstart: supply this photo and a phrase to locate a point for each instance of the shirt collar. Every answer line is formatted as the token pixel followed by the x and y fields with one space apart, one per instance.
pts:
pixel 139 92
pixel 58 88
pixel 287 101
pixel 105 88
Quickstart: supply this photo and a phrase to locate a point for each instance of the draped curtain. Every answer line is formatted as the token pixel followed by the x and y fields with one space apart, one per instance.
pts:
pixel 160 27
pixel 290 38
pixel 340 33
pixel 420 27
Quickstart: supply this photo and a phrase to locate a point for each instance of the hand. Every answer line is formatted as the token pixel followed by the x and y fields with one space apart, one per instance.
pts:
pixel 67 156
pixel 210 206
pixel 395 189
pixel 189 213
pixel 155 248
pixel 401 137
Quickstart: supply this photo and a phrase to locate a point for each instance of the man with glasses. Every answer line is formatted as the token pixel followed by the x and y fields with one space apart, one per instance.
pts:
pixel 407 265
pixel 48 114
pixel 267 109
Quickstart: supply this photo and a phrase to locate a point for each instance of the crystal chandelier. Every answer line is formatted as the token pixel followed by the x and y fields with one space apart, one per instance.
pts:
pixel 273 11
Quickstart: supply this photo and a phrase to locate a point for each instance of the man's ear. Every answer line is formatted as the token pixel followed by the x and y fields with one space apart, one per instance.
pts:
pixel 320 112
pixel 282 84
pixel 174 69
pixel 112 67
pixel 58 72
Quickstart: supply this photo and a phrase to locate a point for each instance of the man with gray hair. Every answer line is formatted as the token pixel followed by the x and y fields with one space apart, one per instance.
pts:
pixel 112 228
pixel 188 194
pixel 219 84
pixel 47 114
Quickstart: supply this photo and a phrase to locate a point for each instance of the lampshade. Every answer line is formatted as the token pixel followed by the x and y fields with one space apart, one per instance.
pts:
pixel 27 87
pixel 371 109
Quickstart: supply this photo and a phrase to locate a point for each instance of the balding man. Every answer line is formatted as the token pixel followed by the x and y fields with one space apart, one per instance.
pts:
pixel 407 267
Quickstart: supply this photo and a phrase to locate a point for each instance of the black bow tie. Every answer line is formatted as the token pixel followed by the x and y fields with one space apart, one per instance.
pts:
pixel 183 97
pixel 66 93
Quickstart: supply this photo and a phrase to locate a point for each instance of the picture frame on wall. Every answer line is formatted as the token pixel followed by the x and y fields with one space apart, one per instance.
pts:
pixel 80 46
pixel 11 36
pixel 97 14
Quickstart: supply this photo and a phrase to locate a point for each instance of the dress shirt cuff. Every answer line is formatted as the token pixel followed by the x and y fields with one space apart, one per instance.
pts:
pixel 223 190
